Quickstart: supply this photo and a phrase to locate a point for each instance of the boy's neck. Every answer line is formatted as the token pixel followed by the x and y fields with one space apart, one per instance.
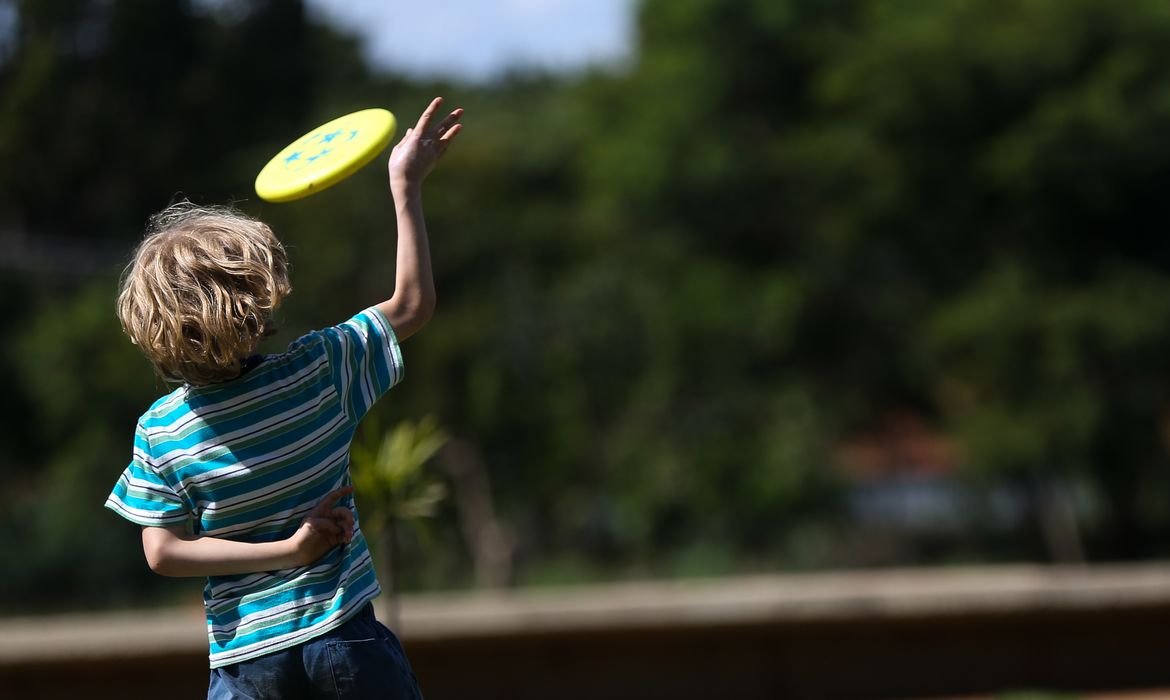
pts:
pixel 250 363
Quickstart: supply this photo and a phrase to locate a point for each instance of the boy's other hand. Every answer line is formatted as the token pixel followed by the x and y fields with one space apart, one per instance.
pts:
pixel 421 147
pixel 327 526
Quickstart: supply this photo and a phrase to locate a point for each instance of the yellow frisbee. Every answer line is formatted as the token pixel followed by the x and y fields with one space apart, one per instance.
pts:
pixel 326 155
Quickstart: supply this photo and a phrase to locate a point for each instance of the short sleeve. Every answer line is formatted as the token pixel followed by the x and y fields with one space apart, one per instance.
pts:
pixel 365 360
pixel 142 496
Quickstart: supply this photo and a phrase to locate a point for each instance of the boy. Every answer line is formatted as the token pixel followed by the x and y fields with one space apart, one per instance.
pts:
pixel 227 468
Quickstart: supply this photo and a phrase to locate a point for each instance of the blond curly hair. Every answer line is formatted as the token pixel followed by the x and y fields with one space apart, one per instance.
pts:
pixel 199 295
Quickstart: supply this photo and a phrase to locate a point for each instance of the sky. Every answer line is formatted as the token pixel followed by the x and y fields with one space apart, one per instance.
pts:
pixel 7 28
pixel 477 40
pixel 468 40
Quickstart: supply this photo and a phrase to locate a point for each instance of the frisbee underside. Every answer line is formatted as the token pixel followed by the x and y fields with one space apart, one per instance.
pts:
pixel 326 155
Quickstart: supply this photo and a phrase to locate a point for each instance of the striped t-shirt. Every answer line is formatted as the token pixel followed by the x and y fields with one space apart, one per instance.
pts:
pixel 247 460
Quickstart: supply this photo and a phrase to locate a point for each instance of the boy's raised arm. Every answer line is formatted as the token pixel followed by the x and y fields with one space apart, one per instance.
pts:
pixel 411 161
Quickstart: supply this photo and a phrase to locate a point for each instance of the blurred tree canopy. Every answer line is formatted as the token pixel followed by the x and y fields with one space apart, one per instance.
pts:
pixel 668 293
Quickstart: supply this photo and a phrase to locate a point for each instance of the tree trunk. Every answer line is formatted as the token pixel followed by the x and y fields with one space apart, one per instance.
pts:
pixel 389 557
pixel 490 541
pixel 1058 520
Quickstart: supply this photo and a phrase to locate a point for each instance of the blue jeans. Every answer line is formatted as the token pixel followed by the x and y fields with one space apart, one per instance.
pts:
pixel 360 659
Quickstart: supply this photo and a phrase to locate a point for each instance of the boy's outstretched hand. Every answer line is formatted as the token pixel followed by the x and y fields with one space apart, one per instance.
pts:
pixel 327 526
pixel 421 147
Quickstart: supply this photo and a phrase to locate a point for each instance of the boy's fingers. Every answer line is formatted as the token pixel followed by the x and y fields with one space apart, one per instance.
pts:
pixel 336 494
pixel 325 526
pixel 344 518
pixel 450 135
pixel 449 121
pixel 326 503
pixel 427 114
pixel 346 523
pixel 401 141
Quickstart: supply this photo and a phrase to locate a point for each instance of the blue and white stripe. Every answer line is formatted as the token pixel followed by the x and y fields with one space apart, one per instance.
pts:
pixel 247 460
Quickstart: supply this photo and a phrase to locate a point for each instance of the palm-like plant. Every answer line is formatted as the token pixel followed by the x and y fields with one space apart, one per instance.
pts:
pixel 389 475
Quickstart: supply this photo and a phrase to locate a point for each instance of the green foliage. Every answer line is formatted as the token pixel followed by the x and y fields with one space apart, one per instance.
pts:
pixel 76 449
pixel 668 295
pixel 394 489
pixel 388 472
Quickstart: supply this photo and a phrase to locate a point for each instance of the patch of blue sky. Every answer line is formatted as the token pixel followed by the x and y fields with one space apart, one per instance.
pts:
pixel 477 41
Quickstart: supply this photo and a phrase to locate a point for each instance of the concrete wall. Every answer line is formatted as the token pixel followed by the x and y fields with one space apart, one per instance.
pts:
pixel 862 635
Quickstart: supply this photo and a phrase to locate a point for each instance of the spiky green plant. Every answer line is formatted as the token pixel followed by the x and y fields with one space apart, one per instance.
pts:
pixel 395 487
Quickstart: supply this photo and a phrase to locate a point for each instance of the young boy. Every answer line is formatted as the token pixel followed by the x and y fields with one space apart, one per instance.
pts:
pixel 236 473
